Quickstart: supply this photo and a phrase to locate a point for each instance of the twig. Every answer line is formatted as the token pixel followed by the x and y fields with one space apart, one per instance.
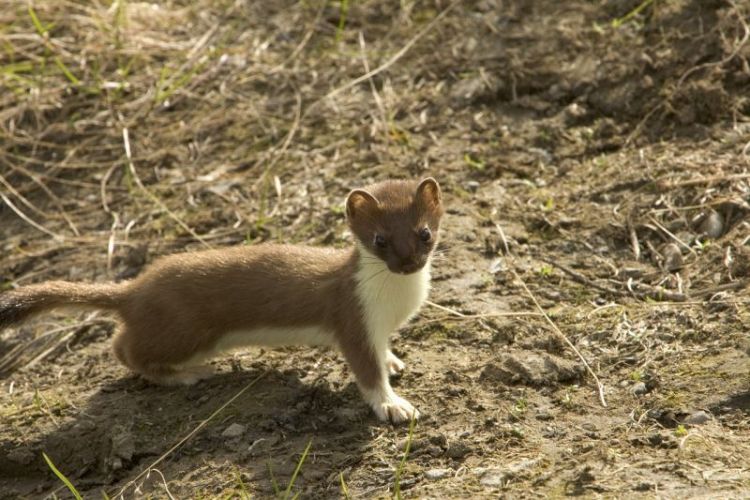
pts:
pixel 502 236
pixel 665 184
pixel 634 241
pixel 154 198
pixel 279 152
pixel 28 220
pixel 559 332
pixel 671 235
pixel 187 437
pixel 398 55
pixel 376 96
pixel 652 293
pixel 446 309
pixel 518 314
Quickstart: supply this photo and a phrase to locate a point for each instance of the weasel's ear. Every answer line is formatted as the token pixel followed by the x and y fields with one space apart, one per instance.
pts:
pixel 358 202
pixel 428 193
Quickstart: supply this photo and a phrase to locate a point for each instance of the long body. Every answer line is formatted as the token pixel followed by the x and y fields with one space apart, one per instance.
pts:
pixel 187 308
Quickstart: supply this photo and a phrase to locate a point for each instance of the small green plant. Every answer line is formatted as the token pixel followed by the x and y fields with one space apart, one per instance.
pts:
pixel 244 494
pixel 44 33
pixel 473 163
pixel 567 400
pixel 521 405
pixel 343 11
pixel 546 271
pixel 402 464
pixel 344 489
pixel 62 477
pixel 274 483
pixel 301 461
pixel 616 23
pixel 680 431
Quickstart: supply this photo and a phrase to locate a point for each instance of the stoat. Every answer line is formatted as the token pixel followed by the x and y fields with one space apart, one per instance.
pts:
pixel 184 309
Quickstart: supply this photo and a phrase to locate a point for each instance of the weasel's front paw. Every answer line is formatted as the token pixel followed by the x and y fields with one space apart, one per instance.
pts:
pixel 394 365
pixel 396 409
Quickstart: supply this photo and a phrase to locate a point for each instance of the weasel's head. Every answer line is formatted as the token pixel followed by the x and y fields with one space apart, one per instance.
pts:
pixel 397 221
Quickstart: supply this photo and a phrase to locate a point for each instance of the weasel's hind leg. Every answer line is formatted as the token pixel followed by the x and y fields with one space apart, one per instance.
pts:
pixel 128 354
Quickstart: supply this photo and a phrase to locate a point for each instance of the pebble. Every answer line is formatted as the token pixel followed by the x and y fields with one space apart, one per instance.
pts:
pixel 672 257
pixel 458 449
pixel 233 431
pixel 712 225
pixel 472 186
pixel 493 477
pixel 697 418
pixel 639 388
pixel 435 474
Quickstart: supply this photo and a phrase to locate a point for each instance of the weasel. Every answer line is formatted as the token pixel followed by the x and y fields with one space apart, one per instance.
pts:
pixel 187 308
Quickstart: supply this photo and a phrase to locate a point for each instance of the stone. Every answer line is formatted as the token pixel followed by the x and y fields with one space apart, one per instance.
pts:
pixel 712 224
pixel 697 418
pixel 234 431
pixel 458 450
pixel 639 388
pixel 435 474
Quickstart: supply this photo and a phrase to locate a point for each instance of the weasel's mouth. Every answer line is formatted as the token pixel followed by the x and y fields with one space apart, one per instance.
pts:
pixel 408 269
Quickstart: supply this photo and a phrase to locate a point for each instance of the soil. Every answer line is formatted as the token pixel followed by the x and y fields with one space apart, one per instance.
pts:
pixel 595 152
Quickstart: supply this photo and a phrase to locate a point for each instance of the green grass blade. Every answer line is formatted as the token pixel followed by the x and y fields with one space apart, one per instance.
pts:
pixel 37 23
pixel 70 76
pixel 296 471
pixel 344 489
pixel 43 32
pixel 400 470
pixel 616 23
pixel 273 481
pixel 343 11
pixel 61 476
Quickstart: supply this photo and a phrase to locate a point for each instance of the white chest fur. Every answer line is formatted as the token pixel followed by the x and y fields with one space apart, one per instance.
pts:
pixel 388 299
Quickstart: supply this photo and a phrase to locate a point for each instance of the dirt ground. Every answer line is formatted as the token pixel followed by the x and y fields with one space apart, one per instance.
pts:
pixel 596 152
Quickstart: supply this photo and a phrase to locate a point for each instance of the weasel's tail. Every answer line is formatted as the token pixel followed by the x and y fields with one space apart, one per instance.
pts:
pixel 17 305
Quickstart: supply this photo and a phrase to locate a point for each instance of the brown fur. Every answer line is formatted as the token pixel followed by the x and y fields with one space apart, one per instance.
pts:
pixel 183 304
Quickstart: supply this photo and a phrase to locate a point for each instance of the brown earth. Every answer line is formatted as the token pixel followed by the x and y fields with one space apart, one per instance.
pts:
pixel 604 144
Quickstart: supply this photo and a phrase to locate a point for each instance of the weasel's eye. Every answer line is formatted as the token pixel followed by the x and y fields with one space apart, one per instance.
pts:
pixel 380 241
pixel 425 234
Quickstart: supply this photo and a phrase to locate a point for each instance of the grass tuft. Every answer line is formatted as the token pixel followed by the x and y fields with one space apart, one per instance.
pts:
pixel 402 464
pixel 62 477
pixel 296 471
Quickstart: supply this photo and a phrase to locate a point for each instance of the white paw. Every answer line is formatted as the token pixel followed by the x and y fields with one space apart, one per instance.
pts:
pixel 394 365
pixel 395 409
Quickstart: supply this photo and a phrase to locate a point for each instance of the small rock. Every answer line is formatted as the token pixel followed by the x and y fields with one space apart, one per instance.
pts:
pixel 697 418
pixel 435 474
pixel 639 388
pixel 438 440
pixel 493 478
pixel 672 257
pixel 712 224
pixel 458 450
pixel 543 415
pixel 234 431
pixel 472 186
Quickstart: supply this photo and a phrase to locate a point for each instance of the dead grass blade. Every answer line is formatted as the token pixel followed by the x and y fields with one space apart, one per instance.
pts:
pixel 120 494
